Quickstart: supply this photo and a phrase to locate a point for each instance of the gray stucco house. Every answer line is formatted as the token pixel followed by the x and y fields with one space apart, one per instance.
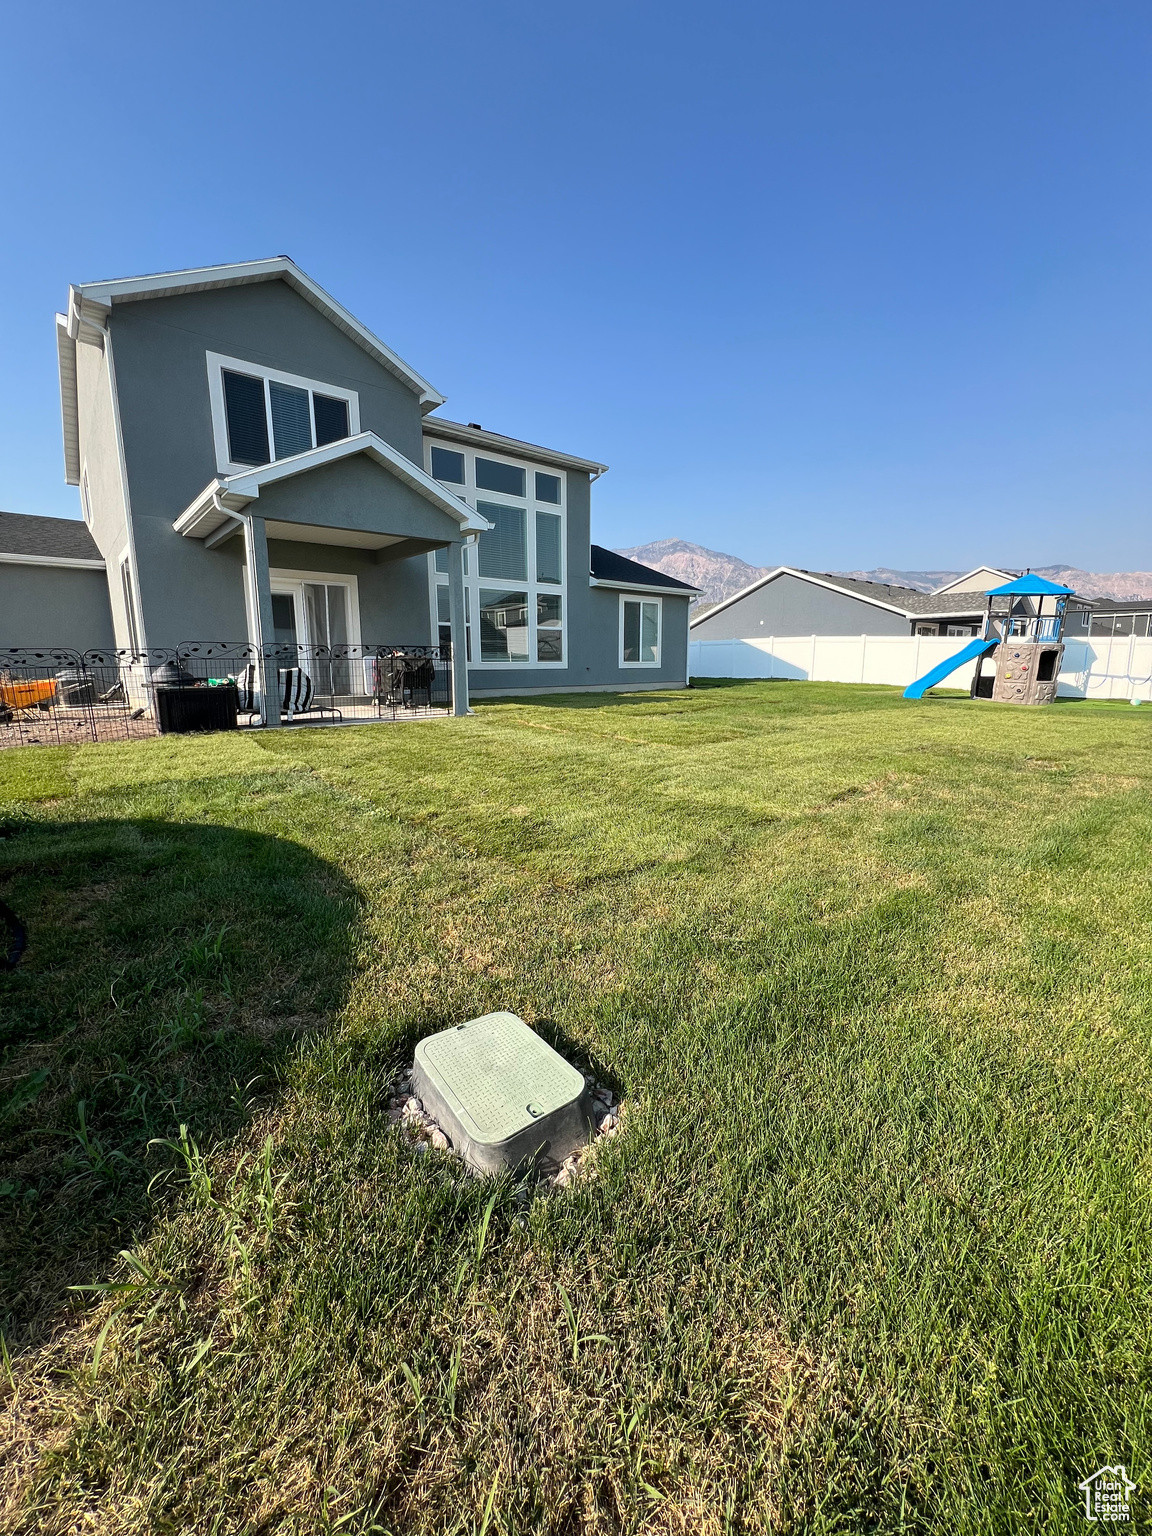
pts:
pixel 791 601
pixel 253 463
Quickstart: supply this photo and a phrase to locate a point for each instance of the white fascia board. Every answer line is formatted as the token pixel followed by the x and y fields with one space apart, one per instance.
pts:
pixel 224 497
pixel 637 586
pixel 69 562
pixel 513 447
pixel 69 401
pixel 236 274
pixel 816 581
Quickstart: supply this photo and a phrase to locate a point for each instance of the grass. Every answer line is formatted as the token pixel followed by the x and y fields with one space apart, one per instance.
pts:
pixel 871 1255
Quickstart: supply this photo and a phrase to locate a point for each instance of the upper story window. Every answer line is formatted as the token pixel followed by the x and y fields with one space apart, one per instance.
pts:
pixel 260 414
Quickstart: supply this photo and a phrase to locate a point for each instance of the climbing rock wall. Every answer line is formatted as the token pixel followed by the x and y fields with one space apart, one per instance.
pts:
pixel 1017 669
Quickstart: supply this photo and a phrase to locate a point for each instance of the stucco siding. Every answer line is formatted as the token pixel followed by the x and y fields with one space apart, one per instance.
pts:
pixel 356 493
pixel 160 348
pixel 45 605
pixel 788 605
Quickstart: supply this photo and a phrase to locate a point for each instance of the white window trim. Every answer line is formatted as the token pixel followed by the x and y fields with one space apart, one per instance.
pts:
pixel 473 581
pixel 217 363
pixel 626 597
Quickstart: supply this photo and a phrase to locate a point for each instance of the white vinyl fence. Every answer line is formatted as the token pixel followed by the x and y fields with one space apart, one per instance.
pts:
pixel 1107 667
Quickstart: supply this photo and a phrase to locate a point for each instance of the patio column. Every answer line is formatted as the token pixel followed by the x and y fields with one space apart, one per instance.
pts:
pixel 261 631
pixel 458 622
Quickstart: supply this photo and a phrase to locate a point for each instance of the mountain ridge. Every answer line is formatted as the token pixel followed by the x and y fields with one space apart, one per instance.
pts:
pixel 720 575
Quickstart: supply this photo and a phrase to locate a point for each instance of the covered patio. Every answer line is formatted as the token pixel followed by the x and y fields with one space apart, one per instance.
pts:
pixel 304 635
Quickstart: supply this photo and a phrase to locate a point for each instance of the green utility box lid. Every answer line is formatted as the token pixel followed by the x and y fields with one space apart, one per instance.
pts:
pixel 500 1093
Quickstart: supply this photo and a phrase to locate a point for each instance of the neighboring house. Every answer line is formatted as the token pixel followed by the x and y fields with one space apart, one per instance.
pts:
pixel 53 586
pixel 789 601
pixel 1121 618
pixel 255 465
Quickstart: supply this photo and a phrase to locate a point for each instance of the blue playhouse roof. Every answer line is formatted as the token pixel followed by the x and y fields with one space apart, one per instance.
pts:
pixel 1030 586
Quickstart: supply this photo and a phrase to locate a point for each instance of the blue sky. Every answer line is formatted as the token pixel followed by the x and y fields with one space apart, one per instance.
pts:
pixel 828 283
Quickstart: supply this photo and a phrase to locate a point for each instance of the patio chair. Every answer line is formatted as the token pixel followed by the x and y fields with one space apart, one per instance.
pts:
pixel 297 695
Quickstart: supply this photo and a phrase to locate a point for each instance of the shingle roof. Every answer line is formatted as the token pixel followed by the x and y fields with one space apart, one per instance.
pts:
pixel 49 537
pixel 607 565
pixel 908 598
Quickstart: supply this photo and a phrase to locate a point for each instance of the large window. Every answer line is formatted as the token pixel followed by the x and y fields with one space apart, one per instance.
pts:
pixel 514 574
pixel 259 414
pixel 640 631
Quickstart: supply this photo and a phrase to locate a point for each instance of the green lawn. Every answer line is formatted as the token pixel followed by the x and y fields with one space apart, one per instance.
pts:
pixel 874 980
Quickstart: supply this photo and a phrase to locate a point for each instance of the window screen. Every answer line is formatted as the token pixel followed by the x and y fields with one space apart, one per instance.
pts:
pixel 491 476
pixel 247 423
pixel 548 488
pixel 547 547
pixel 504 550
pixel 331 419
pixel 291 420
pixel 448 466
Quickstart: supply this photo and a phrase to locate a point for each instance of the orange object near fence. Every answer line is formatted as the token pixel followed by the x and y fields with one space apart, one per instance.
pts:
pixel 27 695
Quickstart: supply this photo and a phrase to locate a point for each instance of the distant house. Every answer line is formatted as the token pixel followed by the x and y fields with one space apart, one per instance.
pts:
pixel 254 465
pixel 53 584
pixel 790 601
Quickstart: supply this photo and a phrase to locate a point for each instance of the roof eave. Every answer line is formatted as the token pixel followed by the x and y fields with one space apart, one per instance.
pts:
pixel 69 401
pixel 638 586
pixel 238 274
pixel 457 432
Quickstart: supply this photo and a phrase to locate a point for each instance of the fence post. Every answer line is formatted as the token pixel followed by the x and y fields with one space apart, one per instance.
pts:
pixel 812 662
pixel 863 653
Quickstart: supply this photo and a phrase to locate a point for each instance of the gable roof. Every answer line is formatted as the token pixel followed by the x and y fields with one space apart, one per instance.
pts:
pixel 608 569
pixel 980 570
pixel 90 304
pixel 222 498
pixel 29 540
pixel 906 601
pixel 480 437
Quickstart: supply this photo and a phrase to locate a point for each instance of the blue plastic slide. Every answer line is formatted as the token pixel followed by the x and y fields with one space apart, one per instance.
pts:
pixel 920 687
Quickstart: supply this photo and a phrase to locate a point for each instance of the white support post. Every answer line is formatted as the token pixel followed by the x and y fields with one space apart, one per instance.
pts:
pixel 261 631
pixel 458 621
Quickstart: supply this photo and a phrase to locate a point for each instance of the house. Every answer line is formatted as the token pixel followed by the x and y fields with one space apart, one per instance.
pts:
pixel 790 601
pixel 255 465
pixel 1133 617
pixel 52 577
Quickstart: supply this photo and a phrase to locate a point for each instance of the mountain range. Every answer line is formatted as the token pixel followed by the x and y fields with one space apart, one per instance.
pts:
pixel 719 575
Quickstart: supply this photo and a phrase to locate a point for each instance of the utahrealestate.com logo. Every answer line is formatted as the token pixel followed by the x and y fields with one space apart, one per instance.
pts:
pixel 1106 1494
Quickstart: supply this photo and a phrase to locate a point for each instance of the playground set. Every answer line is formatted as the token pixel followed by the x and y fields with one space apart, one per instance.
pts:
pixel 1024 631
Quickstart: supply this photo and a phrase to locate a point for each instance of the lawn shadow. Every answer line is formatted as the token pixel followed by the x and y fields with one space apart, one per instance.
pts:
pixel 172 972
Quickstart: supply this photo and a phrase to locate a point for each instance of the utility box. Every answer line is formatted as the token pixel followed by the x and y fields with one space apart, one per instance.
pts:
pixel 501 1094
pixel 1026 672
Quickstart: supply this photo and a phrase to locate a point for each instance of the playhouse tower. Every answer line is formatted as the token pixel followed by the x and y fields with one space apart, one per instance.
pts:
pixel 1026 617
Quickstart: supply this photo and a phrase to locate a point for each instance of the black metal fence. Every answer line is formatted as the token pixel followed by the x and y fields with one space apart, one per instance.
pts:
pixel 55 696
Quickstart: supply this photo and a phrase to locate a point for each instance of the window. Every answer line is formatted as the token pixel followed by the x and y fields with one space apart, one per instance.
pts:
pixel 504 550
pixel 961 629
pixel 503 625
pixel 448 466
pixel 247 418
pixel 514 573
pixel 549 631
pixel 640 631
pixel 259 415
pixel 547 547
pixel 494 476
pixel 927 629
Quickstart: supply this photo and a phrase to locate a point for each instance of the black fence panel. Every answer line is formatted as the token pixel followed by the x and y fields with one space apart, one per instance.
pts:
pixel 51 696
